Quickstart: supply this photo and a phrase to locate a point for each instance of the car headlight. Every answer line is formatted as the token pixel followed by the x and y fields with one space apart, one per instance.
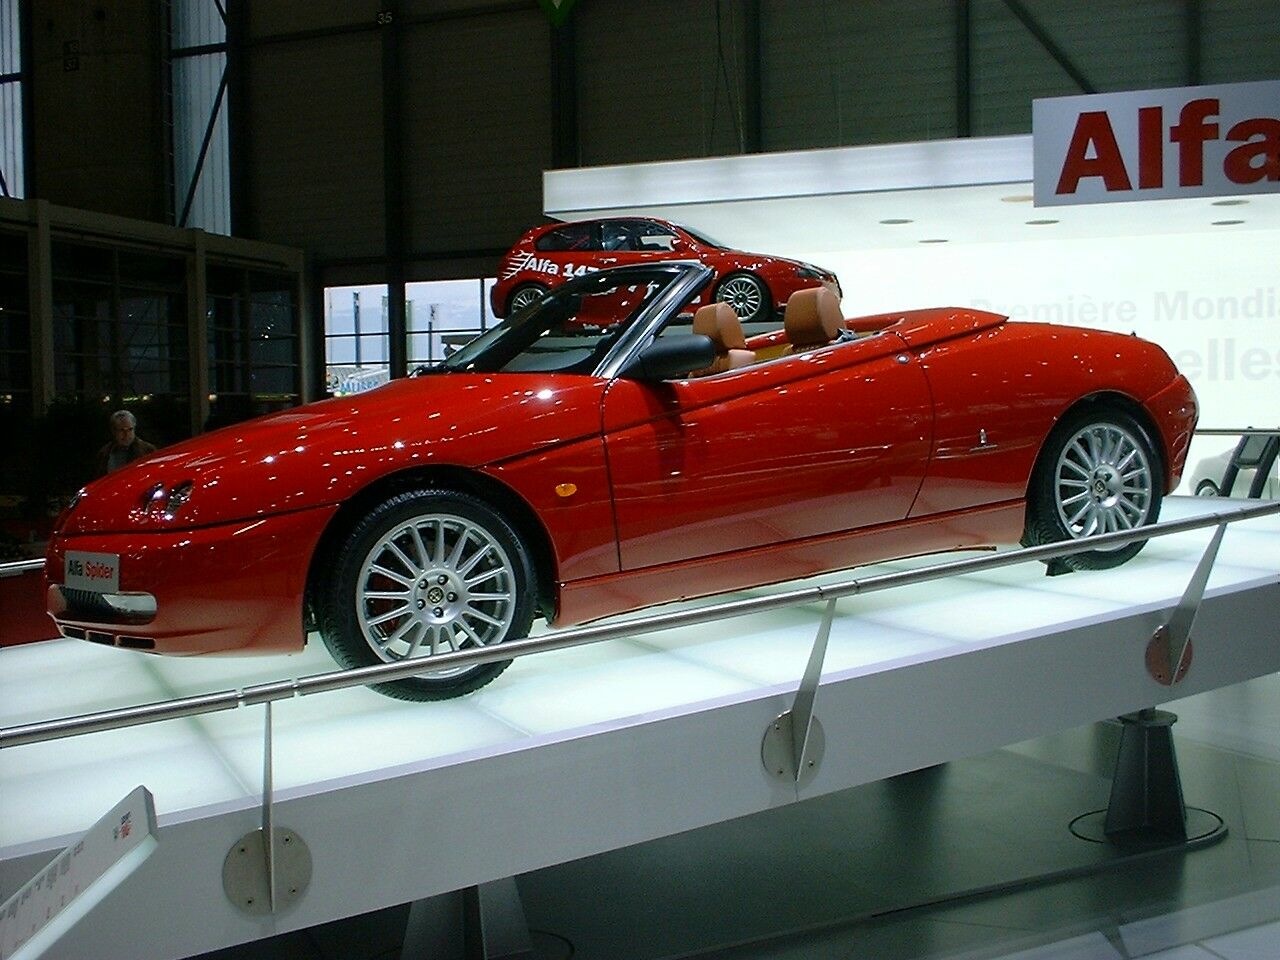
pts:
pixel 810 273
pixel 167 501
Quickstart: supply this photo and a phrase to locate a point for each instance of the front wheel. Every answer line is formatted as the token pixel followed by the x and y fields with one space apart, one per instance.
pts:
pixel 1098 473
pixel 523 295
pixel 748 296
pixel 425 573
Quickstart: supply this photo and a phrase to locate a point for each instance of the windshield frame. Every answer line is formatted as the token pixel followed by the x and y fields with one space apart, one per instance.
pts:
pixel 687 278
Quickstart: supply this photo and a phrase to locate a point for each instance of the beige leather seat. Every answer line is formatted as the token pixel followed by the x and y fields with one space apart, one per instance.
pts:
pixel 812 319
pixel 721 324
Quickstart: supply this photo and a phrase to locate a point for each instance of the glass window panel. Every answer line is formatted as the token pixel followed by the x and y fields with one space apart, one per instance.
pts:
pixel 356 338
pixel 80 262
pixel 340 350
pixel 274 350
pixel 196 23
pixel 573 236
pixel 279 381
pixel 356 309
pixel 15 324
pixel 10 34
pixel 445 305
pixel 489 318
pixel 197 81
pixel 15 371
pixel 12 166
pixel 146 270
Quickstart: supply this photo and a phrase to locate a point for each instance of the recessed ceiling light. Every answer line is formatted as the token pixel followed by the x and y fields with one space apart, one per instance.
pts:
pixel 1229 203
pixel 894 220
pixel 1226 223
pixel 1017 198
pixel 933 241
pixel 1039 223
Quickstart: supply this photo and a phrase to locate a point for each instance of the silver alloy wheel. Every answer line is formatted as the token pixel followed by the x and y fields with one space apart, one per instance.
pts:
pixel 1103 481
pixel 523 297
pixel 435 584
pixel 743 293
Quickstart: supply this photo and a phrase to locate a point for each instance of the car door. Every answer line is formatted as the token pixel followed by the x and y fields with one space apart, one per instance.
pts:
pixel 797 447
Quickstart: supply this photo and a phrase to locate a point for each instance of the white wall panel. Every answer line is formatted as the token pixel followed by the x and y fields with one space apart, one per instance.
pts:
pixel 477 129
pixel 316 163
pixel 1209 298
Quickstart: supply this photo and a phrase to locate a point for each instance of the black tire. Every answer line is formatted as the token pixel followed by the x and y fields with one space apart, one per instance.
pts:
pixel 1207 488
pixel 747 294
pixel 442 585
pixel 524 295
pixel 1106 498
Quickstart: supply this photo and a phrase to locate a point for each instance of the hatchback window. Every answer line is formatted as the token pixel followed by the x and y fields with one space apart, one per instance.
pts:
pixel 572 236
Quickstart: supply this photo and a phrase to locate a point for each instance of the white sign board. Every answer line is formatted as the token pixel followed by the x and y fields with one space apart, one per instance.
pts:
pixel 1208 141
pixel 53 901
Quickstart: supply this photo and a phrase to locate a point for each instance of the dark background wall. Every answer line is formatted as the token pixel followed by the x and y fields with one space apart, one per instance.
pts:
pixel 406 138
pixel 97 140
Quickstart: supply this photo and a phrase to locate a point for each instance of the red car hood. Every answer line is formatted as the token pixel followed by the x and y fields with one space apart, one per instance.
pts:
pixel 322 453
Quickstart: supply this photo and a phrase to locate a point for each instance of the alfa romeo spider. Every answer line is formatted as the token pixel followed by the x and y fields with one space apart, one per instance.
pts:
pixel 612 448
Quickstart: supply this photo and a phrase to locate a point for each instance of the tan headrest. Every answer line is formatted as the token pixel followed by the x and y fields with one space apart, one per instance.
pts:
pixel 812 318
pixel 721 324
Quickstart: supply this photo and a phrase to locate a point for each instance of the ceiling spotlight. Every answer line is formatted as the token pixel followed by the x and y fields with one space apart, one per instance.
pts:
pixel 1229 203
pixel 896 220
pixel 1017 198
pixel 934 241
pixel 1226 223
pixel 1039 223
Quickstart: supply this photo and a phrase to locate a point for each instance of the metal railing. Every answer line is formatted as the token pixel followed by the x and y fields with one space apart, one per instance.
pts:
pixel 1247 432
pixel 231 699
pixel 16 568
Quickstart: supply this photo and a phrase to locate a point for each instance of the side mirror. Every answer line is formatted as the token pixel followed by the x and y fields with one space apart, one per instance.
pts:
pixel 670 357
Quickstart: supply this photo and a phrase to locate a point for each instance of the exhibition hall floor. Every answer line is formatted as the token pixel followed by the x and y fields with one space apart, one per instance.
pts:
pixel 962 824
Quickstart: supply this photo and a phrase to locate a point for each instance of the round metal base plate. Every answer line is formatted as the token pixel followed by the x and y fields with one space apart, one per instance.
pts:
pixel 244 872
pixel 776 750
pixel 1203 829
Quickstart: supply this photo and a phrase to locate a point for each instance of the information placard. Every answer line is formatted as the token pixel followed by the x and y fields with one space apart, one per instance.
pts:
pixel 51 903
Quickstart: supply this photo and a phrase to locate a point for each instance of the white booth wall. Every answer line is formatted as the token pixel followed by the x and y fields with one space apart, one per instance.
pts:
pixel 1211 299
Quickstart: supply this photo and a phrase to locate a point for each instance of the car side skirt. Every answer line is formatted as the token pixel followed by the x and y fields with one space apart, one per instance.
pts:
pixel 591 599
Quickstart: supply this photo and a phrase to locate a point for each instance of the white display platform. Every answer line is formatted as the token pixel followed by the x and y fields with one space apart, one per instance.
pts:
pixel 576 752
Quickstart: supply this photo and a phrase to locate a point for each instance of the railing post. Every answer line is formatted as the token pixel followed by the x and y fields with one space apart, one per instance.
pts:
pixel 268 869
pixel 793 742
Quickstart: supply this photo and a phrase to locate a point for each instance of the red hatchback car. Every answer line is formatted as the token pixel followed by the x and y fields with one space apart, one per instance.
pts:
pixel 755 285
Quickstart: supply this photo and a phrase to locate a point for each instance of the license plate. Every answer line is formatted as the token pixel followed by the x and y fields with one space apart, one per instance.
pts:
pixel 96 572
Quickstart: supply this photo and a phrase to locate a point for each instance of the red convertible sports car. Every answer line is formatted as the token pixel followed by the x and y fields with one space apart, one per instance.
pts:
pixel 755 285
pixel 608 449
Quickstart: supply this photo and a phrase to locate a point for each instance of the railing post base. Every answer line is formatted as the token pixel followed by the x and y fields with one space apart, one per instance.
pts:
pixel 486 922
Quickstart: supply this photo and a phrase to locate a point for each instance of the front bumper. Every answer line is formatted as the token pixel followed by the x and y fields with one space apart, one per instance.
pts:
pixel 228 588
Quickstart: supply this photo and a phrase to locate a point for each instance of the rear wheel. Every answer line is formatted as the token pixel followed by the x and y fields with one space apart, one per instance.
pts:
pixel 1098 473
pixel 426 573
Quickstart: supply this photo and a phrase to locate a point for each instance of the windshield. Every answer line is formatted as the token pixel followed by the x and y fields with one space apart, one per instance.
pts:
pixel 703 239
pixel 570 330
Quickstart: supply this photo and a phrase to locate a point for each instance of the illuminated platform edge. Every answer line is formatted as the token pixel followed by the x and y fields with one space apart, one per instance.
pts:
pixel 587 750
